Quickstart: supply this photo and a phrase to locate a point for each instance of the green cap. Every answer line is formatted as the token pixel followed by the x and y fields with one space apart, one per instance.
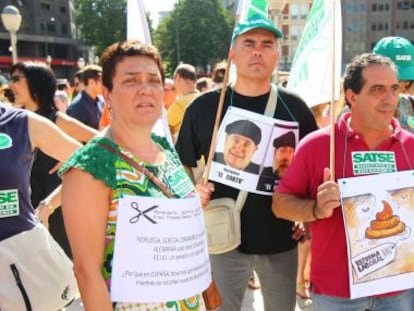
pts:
pixel 255 22
pixel 401 52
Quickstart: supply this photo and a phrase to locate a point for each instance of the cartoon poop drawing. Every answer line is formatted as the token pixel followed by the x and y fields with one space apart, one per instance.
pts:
pixel 385 224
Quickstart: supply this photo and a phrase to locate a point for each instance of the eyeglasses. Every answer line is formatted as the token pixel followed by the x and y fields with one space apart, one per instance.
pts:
pixel 16 78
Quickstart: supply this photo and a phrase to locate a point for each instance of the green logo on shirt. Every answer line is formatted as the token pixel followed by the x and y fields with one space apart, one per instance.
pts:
pixel 9 203
pixel 373 162
pixel 5 141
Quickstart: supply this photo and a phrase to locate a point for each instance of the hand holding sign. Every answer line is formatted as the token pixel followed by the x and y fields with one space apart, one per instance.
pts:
pixel 328 197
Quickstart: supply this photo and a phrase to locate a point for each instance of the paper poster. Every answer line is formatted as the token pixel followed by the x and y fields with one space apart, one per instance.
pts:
pixel 378 215
pixel 253 151
pixel 160 250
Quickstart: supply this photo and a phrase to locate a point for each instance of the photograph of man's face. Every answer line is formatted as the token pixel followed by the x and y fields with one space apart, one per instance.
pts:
pixel 238 151
pixel 240 143
pixel 282 158
pixel 283 153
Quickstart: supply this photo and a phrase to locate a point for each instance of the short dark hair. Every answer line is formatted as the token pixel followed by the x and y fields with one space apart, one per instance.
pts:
pixel 353 78
pixel 79 74
pixel 203 82
pixel 41 82
pixel 116 52
pixel 186 71
pixel 91 72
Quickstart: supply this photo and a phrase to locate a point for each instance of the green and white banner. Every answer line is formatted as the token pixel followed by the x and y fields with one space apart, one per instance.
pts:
pixel 311 74
pixel 247 8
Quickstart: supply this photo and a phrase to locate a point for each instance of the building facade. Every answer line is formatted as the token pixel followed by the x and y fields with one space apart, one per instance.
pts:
pixel 47 34
pixel 364 22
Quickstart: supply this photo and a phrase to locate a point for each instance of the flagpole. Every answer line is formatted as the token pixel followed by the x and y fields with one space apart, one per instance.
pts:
pixel 332 108
pixel 218 114
pixel 239 15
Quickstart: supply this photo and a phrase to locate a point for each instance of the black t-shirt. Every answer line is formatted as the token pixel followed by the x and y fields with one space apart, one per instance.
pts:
pixel 261 231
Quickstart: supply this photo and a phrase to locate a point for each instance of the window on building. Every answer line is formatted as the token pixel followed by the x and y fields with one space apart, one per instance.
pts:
pixel 374 7
pixel 294 33
pixel 64 29
pixel 374 27
pixel 45 6
pixel 51 27
pixel 62 9
pixel 294 11
pixel 386 27
pixel 380 27
pixel 380 7
pixel 387 7
pixel 412 25
pixel 304 11
pixel 403 5
pixel 405 25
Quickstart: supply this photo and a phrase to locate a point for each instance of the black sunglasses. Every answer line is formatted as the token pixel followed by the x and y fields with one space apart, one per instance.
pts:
pixel 16 78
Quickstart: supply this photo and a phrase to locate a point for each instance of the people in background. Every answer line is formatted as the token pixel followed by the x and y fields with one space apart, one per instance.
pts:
pixel 185 86
pixel 203 84
pixel 34 86
pixel 170 95
pixel 61 100
pixel 401 52
pixel 87 107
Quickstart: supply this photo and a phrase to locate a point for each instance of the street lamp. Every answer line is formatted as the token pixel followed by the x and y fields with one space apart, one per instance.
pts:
pixel 12 19
pixel 50 22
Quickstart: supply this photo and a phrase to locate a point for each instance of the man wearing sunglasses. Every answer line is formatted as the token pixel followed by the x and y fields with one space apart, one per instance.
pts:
pixel 87 107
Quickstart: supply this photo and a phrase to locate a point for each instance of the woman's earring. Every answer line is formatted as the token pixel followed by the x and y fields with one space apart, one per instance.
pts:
pixel 111 112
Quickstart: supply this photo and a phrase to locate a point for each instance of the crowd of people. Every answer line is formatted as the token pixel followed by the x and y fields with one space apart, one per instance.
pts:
pixel 80 160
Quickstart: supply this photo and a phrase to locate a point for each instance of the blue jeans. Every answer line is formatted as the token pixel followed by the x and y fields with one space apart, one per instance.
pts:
pixel 401 302
pixel 276 272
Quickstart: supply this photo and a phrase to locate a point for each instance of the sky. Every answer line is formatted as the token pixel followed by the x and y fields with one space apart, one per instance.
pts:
pixel 154 6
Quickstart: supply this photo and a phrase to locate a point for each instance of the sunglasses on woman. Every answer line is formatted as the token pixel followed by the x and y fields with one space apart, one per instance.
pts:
pixel 16 78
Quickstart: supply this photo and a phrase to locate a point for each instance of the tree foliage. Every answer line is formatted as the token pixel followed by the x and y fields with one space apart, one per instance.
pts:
pixel 101 22
pixel 197 32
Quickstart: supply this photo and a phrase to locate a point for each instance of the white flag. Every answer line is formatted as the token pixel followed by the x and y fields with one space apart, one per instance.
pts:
pixel 137 25
pixel 137 28
pixel 311 75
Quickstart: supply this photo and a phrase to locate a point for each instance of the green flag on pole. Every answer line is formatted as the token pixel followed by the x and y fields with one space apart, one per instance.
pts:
pixel 248 8
pixel 319 50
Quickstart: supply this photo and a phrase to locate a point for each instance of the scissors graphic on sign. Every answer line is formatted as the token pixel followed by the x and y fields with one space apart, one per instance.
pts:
pixel 135 219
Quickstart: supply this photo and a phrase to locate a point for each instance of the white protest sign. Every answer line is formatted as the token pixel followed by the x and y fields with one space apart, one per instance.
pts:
pixel 373 259
pixel 160 250
pixel 246 155
pixel 378 211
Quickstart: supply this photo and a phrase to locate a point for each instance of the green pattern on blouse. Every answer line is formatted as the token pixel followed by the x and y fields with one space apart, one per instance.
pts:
pixel 124 179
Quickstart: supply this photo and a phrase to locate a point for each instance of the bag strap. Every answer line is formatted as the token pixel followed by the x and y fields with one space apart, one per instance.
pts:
pixel 269 112
pixel 140 168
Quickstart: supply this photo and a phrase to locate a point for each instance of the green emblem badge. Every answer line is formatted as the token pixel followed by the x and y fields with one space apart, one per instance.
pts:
pixel 5 141
pixel 373 162
pixel 9 203
pixel 410 121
